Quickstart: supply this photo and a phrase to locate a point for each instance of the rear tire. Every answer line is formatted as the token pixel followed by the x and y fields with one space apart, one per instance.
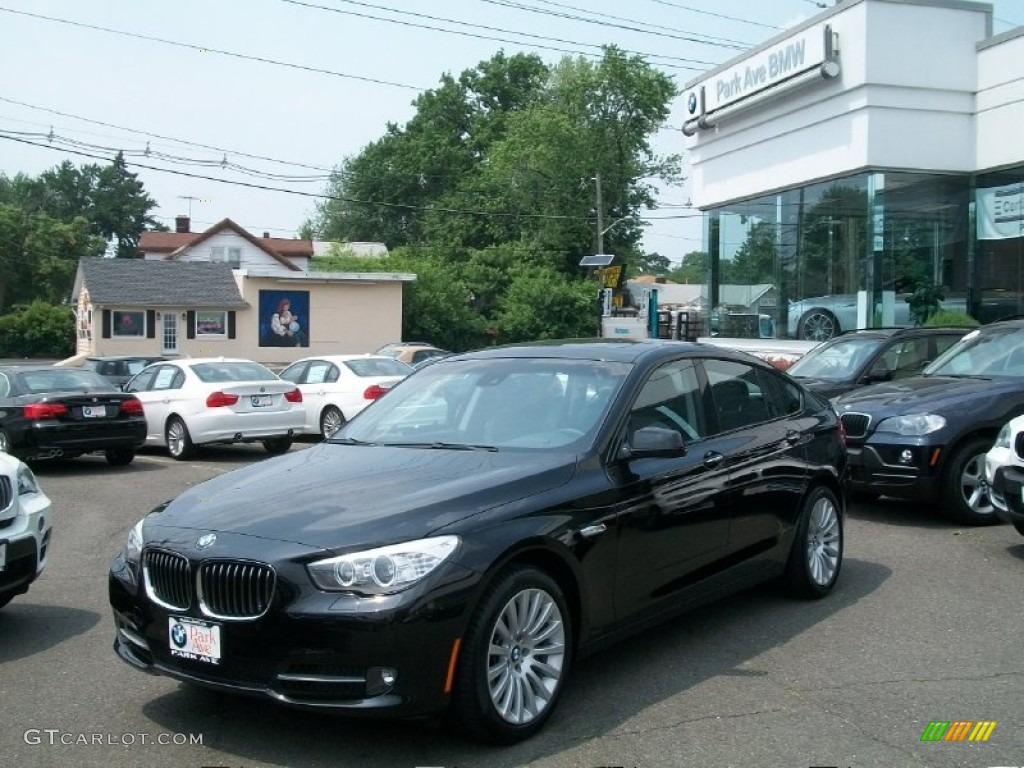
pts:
pixel 817 554
pixel 5 599
pixel 331 420
pixel 120 457
pixel 818 325
pixel 179 441
pixel 5 442
pixel 1019 527
pixel 515 658
pixel 277 445
pixel 965 497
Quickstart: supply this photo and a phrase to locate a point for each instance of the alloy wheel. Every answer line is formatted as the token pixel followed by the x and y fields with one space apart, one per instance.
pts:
pixel 525 656
pixel 176 438
pixel 331 422
pixel 974 487
pixel 823 542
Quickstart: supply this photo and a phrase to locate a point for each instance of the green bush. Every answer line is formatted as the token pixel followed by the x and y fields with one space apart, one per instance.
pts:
pixel 38 330
pixel 951 317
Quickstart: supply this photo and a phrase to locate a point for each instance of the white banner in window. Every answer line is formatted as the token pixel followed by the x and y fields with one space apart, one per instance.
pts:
pixel 1001 212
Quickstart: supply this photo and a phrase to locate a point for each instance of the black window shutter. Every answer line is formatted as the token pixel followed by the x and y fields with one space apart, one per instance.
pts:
pixel 190 329
pixel 106 323
pixel 150 323
pixel 231 325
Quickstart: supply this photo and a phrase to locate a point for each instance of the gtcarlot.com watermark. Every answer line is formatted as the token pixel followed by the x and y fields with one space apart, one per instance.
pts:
pixel 55 736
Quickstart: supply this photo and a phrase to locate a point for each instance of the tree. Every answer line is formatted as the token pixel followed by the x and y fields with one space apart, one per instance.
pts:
pixel 693 269
pixel 120 207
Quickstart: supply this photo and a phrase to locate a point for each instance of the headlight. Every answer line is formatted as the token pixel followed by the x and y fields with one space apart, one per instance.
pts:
pixel 26 481
pixel 384 570
pixel 133 547
pixel 1003 438
pixel 914 425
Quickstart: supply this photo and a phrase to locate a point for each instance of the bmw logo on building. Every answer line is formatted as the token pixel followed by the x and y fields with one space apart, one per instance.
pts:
pixel 691 103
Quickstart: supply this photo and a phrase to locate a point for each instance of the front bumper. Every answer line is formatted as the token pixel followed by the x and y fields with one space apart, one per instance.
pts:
pixel 1007 483
pixel 27 539
pixel 311 649
pixel 893 465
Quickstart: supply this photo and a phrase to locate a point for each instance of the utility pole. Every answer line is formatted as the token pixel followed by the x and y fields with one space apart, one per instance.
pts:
pixel 600 215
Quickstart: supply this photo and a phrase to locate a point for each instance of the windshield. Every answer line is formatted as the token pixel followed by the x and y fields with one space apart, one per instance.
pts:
pixel 996 351
pixel 501 403
pixel 835 361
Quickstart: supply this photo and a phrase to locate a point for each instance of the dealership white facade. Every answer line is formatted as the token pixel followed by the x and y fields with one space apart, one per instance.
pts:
pixel 870 152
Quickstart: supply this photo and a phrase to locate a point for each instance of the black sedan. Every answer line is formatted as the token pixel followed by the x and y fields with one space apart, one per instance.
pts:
pixel 486 522
pixel 51 412
pixel 925 437
pixel 874 355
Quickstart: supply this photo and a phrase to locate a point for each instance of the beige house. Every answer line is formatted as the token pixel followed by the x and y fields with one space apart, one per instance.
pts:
pixel 266 313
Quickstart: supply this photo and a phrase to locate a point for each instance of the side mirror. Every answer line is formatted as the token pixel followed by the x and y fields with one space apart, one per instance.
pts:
pixel 650 442
pixel 880 372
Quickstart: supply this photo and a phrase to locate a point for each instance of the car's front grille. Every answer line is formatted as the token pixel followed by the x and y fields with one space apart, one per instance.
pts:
pixel 856 424
pixel 6 493
pixel 1018 445
pixel 168 578
pixel 232 589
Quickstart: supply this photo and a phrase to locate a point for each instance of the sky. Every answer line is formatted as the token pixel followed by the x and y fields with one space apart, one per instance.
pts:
pixel 281 91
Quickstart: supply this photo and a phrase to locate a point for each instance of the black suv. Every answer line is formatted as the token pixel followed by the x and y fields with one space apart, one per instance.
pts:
pixel 856 358
pixel 925 437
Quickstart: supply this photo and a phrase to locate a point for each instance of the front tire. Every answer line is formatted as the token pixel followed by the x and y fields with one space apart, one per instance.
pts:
pixel 966 496
pixel 515 659
pixel 120 457
pixel 818 325
pixel 817 554
pixel 277 445
pixel 179 441
pixel 1019 527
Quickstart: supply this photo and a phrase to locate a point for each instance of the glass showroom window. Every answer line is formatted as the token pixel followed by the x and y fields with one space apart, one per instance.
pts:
pixel 999 215
pixel 212 324
pixel 128 323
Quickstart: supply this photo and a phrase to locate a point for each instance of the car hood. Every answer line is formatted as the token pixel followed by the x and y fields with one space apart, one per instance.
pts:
pixel 921 394
pixel 338 496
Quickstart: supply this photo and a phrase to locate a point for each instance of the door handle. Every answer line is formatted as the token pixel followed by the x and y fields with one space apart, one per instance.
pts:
pixel 792 436
pixel 166 400
pixel 712 459
pixel 590 531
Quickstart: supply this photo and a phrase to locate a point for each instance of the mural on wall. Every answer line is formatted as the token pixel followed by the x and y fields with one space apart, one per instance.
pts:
pixel 284 318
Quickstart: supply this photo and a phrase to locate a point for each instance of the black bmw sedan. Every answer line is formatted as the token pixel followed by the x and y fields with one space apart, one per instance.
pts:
pixel 492 518
pixel 51 412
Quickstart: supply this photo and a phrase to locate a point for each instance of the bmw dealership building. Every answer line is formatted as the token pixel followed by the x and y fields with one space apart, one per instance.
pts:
pixel 870 155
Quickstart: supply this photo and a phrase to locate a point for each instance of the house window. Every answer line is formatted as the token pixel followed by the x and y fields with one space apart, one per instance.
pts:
pixel 235 257
pixel 217 255
pixel 211 323
pixel 128 323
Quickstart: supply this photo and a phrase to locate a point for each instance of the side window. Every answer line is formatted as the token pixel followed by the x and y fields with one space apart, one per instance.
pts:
pixel 782 395
pixel 141 382
pixel 911 357
pixel 942 343
pixel 165 377
pixel 671 399
pixel 5 386
pixel 317 373
pixel 332 375
pixel 736 395
pixel 293 373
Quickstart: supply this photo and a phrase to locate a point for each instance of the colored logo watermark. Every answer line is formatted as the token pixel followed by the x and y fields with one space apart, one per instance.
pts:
pixel 958 730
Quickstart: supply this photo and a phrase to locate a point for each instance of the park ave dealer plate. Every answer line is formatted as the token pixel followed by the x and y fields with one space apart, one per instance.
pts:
pixel 194 639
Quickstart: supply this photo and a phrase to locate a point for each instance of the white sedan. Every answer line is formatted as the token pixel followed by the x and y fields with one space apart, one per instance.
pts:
pixel 337 387
pixel 203 401
pixel 26 522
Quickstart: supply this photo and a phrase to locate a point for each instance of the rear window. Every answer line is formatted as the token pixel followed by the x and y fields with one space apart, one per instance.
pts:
pixel 219 373
pixel 378 366
pixel 61 380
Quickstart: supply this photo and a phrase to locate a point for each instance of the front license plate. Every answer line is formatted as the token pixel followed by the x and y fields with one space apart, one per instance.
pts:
pixel 3 555
pixel 94 411
pixel 194 639
pixel 258 401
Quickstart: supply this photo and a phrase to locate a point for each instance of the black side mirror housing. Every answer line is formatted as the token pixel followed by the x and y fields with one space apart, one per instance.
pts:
pixel 659 442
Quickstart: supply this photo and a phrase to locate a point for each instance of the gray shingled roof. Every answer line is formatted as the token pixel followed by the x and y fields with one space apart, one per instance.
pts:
pixel 138 282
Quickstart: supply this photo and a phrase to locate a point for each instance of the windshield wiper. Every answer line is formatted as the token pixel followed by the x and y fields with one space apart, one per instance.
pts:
pixel 348 441
pixel 441 446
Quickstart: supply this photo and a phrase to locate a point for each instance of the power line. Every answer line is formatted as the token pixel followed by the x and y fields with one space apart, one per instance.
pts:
pixel 207 49
pixel 487 37
pixel 685 38
pixel 717 15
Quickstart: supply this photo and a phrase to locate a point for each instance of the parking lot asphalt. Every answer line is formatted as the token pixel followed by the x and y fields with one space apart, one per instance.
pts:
pixel 925 625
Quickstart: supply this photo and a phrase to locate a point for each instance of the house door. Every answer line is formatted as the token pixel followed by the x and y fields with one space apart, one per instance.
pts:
pixel 170 333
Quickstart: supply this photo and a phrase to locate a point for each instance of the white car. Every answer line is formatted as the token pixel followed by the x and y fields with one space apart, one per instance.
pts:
pixel 203 401
pixel 337 387
pixel 25 526
pixel 1004 473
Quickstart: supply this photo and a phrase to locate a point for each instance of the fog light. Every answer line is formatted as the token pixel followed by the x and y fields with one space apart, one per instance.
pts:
pixel 379 680
pixel 907 456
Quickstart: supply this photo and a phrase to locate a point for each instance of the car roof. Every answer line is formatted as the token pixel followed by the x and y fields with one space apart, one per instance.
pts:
pixel 610 350
pixel 196 360
pixel 900 331
pixel 127 357
pixel 344 358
